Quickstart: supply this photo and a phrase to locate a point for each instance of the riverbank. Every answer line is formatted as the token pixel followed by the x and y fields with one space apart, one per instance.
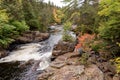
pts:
pixel 26 37
pixel 69 67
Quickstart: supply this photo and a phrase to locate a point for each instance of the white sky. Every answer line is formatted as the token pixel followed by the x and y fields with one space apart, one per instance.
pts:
pixel 56 2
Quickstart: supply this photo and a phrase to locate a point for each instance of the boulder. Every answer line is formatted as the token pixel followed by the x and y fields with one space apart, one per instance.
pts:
pixel 73 72
pixel 94 73
pixel 32 36
pixel 63 47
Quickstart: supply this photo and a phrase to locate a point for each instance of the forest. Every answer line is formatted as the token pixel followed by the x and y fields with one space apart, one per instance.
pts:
pixel 97 24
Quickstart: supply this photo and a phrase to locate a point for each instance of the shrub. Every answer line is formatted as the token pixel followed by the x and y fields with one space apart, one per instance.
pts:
pixel 84 42
pixel 109 28
pixel 5 42
pixel 20 26
pixel 7 30
pixel 84 59
pixel 67 37
pixel 98 45
pixel 67 26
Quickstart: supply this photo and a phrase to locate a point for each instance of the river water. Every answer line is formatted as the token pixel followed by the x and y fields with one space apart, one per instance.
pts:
pixel 29 60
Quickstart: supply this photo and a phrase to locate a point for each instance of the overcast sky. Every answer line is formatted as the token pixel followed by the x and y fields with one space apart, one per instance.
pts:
pixel 56 2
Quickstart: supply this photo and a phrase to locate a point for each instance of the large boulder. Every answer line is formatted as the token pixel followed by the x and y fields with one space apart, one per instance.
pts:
pixel 63 47
pixel 32 36
pixel 73 72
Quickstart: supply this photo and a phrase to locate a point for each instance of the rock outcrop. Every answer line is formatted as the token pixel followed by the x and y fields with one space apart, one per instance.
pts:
pixel 66 68
pixel 63 47
pixel 32 36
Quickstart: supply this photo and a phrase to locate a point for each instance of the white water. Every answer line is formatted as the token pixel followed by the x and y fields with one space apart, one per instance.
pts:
pixel 36 51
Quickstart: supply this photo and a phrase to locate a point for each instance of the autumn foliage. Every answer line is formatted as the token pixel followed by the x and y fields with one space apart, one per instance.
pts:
pixel 84 40
pixel 58 15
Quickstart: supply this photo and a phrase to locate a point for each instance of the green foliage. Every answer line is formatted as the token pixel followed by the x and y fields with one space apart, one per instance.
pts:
pixel 5 42
pixel 110 19
pixel 84 58
pixel 67 26
pixel 14 8
pixel 38 15
pixel 6 33
pixel 98 45
pixel 84 14
pixel 67 37
pixel 17 15
pixel 6 30
pixel 20 26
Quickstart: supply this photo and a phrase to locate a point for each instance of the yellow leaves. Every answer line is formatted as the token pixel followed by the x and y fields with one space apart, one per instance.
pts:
pixel 108 7
pixel 75 17
pixel 118 44
pixel 117 62
pixel 58 15
pixel 104 12
pixel 3 16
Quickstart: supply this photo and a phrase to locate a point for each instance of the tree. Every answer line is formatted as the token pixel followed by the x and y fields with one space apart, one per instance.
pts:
pixel 14 8
pixel 58 15
pixel 110 19
pixel 88 18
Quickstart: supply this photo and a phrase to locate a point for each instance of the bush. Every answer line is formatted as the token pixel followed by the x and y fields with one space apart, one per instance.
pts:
pixel 109 28
pixel 85 29
pixel 84 59
pixel 109 32
pixel 6 33
pixel 67 26
pixel 84 42
pixel 20 26
pixel 98 45
pixel 67 37
pixel 5 42
pixel 9 32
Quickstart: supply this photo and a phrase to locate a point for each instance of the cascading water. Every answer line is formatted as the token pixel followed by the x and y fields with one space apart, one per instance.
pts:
pixel 40 53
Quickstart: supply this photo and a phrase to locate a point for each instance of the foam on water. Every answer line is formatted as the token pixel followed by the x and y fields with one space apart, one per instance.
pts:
pixel 36 51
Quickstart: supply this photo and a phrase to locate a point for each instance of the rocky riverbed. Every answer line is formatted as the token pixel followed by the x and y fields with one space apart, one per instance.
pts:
pixel 68 67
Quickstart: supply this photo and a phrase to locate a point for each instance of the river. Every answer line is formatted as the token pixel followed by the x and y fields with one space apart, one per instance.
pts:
pixel 29 60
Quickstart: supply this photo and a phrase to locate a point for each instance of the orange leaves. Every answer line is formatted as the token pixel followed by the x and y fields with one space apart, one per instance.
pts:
pixel 84 40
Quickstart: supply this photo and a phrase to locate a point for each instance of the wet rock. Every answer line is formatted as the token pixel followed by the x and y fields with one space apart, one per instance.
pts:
pixel 62 47
pixel 3 52
pixel 32 36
